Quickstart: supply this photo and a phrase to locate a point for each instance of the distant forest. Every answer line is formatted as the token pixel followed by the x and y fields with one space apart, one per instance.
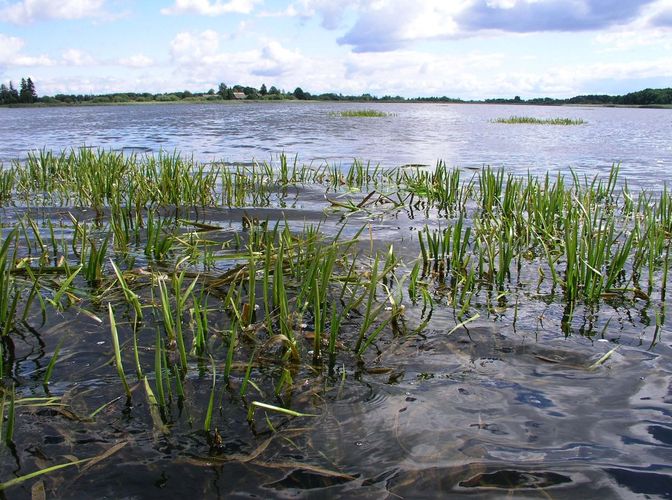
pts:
pixel 26 94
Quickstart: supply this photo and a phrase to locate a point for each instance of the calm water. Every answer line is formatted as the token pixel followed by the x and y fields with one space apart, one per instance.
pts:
pixel 461 135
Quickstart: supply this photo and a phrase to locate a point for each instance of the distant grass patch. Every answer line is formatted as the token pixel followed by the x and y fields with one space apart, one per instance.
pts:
pixel 539 121
pixel 361 113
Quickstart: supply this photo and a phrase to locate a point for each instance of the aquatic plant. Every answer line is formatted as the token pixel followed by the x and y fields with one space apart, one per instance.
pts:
pixel 7 181
pixel 362 113
pixel 530 120
pixel 9 294
pixel 228 303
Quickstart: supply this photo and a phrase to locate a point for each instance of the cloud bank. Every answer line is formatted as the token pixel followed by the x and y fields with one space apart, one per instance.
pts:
pixel 28 11
pixel 388 25
pixel 210 8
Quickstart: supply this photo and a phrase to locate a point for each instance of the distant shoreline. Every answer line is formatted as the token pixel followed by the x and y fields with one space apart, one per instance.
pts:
pixel 251 102
pixel 27 96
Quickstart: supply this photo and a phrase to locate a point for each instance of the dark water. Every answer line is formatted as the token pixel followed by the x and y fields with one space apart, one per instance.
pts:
pixel 460 135
pixel 506 407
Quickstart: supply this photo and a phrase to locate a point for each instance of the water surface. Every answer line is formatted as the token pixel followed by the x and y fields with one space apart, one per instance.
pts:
pixel 507 406
pixel 460 134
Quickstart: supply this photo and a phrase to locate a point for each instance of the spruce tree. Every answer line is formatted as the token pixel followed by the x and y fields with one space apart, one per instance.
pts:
pixel 13 94
pixel 31 90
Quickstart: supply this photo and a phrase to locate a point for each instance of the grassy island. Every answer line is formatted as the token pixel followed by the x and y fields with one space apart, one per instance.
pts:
pixel 529 120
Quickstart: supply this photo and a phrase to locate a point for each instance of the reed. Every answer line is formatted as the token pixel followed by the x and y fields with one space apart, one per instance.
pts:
pixel 9 293
pixel 52 363
pixel 7 183
pixel 530 120
pixel 117 352
pixel 272 304
pixel 361 113
pixel 207 423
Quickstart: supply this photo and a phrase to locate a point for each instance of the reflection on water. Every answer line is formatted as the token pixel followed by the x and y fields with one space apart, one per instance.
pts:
pixel 484 411
pixel 461 135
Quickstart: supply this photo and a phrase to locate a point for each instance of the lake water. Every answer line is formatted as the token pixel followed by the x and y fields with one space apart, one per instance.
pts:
pixel 459 134
pixel 512 406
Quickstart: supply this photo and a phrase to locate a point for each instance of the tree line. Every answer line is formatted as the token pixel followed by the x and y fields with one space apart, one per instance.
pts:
pixel 26 94
pixel 646 97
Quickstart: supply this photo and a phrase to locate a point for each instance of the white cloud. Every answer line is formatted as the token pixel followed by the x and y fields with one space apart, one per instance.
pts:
pixel 331 12
pixel 649 30
pixel 87 84
pixel 41 60
pixel 570 80
pixel 275 60
pixel 469 75
pixel 195 48
pixel 289 11
pixel 10 53
pixel 27 11
pixel 211 8
pixel 9 47
pixel 627 39
pixel 432 20
pixel 201 63
pixel 136 61
pixel 414 73
pixel 76 57
pixel 387 25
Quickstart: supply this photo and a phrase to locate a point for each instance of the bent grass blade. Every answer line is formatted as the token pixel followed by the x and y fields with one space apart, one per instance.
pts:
pixel 278 409
pixel 117 351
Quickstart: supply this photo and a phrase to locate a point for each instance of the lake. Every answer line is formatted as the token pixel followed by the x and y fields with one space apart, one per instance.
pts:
pixel 459 134
pixel 346 332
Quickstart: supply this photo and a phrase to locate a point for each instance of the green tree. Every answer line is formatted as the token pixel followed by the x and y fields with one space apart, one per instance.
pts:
pixel 299 94
pixel 5 96
pixel 251 92
pixel 263 90
pixel 24 93
pixel 30 87
pixel 273 90
pixel 14 94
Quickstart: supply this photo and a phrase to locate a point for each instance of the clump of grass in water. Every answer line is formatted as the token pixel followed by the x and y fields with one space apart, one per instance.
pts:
pixel 362 113
pixel 530 120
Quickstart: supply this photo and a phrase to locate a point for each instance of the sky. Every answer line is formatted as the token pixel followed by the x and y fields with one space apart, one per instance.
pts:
pixel 469 49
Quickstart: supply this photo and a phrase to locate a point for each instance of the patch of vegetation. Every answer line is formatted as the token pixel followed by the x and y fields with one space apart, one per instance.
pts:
pixel 216 323
pixel 531 120
pixel 362 113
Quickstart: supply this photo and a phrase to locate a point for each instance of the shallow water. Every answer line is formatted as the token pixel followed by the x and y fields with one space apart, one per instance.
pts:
pixel 506 405
pixel 461 135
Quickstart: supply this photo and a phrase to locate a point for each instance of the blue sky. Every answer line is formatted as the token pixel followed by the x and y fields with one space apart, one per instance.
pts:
pixel 469 49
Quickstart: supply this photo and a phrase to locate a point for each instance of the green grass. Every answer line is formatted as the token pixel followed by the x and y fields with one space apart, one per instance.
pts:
pixel 362 113
pixel 530 120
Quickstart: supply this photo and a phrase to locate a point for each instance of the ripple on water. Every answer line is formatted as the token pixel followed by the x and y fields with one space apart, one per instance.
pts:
pixel 135 149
